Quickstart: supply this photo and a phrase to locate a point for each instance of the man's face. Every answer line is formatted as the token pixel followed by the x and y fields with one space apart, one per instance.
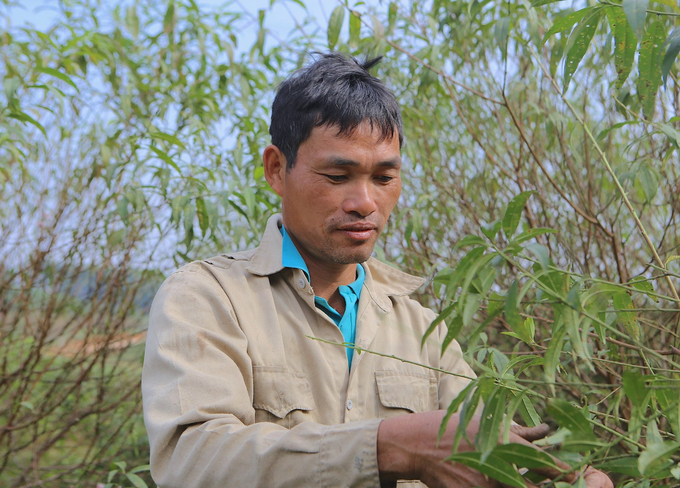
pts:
pixel 339 194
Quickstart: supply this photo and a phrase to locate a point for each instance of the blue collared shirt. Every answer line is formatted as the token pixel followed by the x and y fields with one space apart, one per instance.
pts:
pixel 347 323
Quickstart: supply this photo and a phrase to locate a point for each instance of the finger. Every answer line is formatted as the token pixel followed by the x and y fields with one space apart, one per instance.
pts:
pixel 531 433
pixel 596 479
pixel 551 473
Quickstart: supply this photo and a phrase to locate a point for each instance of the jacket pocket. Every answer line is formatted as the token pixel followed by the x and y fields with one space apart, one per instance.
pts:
pixel 415 392
pixel 281 392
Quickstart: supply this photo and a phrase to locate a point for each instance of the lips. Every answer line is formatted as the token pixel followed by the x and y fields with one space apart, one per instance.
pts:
pixel 358 231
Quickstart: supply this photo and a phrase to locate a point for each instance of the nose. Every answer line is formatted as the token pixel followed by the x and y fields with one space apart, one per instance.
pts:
pixel 360 200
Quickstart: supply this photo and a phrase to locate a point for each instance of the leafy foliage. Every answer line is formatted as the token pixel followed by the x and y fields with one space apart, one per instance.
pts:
pixel 540 196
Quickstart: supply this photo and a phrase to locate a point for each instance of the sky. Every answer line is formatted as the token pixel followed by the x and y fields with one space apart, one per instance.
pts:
pixel 281 17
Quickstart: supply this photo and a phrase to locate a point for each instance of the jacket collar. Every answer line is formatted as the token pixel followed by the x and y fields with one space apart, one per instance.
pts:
pixel 381 280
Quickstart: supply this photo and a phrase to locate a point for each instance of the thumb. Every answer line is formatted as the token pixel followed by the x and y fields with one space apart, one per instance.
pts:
pixel 530 433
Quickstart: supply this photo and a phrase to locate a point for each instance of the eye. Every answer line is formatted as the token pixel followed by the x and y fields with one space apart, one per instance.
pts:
pixel 336 178
pixel 384 178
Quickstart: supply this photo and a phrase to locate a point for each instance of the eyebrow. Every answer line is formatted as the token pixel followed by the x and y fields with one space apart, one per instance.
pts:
pixel 388 163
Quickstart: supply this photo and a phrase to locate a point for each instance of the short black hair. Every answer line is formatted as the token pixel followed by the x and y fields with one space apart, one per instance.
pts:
pixel 335 90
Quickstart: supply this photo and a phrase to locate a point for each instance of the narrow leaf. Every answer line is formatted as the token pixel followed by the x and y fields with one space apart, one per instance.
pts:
pixel 354 29
pixel 24 117
pixel 572 418
pixel 454 405
pixel 656 454
pixel 168 138
pixel 59 75
pixel 511 312
pixel 625 44
pixel 136 480
pixel 531 233
pixel 438 320
pixel 494 467
pixel 514 212
pixel 524 456
pixel 202 213
pixel 649 78
pixel 636 13
pixel 490 424
pixel 164 156
pixel 567 22
pixel 623 305
pixel 673 44
pixel 578 43
pixel 470 240
pixel 500 32
pixel 454 327
pixel 334 25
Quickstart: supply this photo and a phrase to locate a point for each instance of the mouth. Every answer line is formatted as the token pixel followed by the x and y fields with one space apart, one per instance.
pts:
pixel 358 231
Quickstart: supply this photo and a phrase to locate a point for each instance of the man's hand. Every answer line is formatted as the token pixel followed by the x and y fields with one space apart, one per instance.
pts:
pixel 408 449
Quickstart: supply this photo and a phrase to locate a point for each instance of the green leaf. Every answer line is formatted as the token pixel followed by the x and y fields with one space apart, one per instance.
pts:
pixel 454 405
pixel 625 44
pixel 635 387
pixel 136 480
pixel 672 134
pixel 511 312
pixel 623 304
pixel 392 16
pixel 470 240
pixel 164 156
pixel 454 327
pixel 169 19
pixel 524 456
pixel 354 30
pixel 540 3
pixel 57 74
pixel 578 43
pixel 649 78
pixel 334 25
pixel 115 238
pixel 649 181
pixel 531 233
pixel 636 13
pixel 202 213
pixel 572 418
pixel 513 212
pixel 438 320
pixel 494 467
pixel 491 230
pixel 461 270
pixel 567 22
pixel 627 466
pixel 541 253
pixel 24 117
pixel 500 32
pixel 490 423
pixel 552 355
pixel 673 44
pixel 655 455
pixel 168 138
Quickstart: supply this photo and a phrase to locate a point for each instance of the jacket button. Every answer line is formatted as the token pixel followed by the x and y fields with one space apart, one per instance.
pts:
pixel 349 404
pixel 301 283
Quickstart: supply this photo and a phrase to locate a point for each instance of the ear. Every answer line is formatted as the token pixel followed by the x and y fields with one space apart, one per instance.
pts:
pixel 274 168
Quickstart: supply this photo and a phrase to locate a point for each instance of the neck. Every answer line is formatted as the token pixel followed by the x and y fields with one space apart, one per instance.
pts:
pixel 326 278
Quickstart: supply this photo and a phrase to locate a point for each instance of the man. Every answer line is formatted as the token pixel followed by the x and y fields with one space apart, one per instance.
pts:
pixel 241 387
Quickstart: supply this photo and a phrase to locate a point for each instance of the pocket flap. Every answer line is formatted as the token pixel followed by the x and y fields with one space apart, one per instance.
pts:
pixel 411 391
pixel 281 392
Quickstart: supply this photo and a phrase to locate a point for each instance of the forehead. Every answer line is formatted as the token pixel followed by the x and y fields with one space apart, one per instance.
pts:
pixel 364 138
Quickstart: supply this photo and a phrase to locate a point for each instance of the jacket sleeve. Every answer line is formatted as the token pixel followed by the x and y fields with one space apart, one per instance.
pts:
pixel 197 389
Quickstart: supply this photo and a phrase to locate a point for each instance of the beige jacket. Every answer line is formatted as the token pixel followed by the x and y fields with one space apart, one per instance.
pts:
pixel 237 394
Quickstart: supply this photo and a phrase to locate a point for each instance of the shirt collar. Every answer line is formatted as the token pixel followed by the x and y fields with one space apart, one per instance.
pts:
pixel 382 280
